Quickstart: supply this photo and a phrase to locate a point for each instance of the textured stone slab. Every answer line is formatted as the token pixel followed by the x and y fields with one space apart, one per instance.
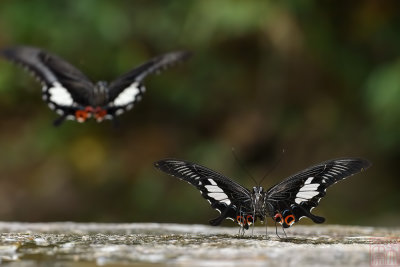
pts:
pixel 150 244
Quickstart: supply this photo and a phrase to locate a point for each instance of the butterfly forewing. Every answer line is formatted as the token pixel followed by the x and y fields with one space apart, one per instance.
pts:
pixel 223 194
pixel 128 88
pixel 298 194
pixel 65 88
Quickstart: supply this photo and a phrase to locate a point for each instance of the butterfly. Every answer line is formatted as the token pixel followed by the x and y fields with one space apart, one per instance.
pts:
pixel 286 202
pixel 73 96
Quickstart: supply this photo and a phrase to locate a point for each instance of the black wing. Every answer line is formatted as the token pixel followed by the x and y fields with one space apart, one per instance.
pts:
pixel 64 87
pixel 223 194
pixel 297 195
pixel 128 88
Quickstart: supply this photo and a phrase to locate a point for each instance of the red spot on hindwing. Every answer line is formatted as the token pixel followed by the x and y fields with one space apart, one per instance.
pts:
pixel 289 220
pixel 240 220
pixel 81 115
pixel 249 219
pixel 278 218
pixel 100 113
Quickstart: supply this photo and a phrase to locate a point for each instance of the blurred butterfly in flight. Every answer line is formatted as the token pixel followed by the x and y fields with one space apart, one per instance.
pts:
pixel 73 96
pixel 287 202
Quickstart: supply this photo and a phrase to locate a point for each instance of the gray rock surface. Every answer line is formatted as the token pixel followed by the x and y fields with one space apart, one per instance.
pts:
pixel 152 244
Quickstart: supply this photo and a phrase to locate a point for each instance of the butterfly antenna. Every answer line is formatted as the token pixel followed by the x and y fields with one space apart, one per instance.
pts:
pixel 242 166
pixel 273 166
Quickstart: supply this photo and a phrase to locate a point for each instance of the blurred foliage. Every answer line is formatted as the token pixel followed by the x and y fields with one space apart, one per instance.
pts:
pixel 317 78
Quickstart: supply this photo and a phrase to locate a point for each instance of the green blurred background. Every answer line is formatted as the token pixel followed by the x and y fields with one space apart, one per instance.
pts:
pixel 320 79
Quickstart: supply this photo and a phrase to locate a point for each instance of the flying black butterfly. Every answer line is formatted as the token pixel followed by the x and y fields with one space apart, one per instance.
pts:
pixel 287 202
pixel 73 96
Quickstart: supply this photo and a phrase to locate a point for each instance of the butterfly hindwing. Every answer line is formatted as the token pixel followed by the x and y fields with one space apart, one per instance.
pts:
pixel 297 195
pixel 222 193
pixel 126 90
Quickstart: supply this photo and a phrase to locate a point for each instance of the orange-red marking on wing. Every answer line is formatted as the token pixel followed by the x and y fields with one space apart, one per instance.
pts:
pixel 241 220
pixel 289 220
pixel 100 113
pixel 81 115
pixel 278 218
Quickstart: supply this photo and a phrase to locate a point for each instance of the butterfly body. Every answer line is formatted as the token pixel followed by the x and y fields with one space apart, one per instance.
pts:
pixel 73 96
pixel 286 203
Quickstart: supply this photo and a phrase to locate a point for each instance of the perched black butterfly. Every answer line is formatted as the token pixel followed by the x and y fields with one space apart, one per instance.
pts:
pixel 286 202
pixel 73 96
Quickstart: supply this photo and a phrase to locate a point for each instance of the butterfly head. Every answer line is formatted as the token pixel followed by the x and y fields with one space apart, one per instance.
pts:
pixel 101 85
pixel 258 191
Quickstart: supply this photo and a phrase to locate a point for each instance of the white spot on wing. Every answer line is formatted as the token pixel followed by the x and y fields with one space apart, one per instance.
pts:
pixel 51 106
pixel 304 196
pixel 226 201
pixel 309 187
pixel 119 111
pixel 128 95
pixel 59 95
pixel 214 189
pixel 212 182
pixel 222 197
pixel 335 172
pixel 308 181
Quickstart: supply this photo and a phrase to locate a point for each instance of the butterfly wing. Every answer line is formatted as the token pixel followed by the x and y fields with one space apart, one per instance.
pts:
pixel 222 193
pixel 65 88
pixel 128 88
pixel 297 195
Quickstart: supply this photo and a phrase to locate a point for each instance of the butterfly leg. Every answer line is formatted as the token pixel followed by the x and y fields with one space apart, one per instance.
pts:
pixel 243 222
pixel 254 215
pixel 276 231
pixel 59 120
pixel 266 227
pixel 284 232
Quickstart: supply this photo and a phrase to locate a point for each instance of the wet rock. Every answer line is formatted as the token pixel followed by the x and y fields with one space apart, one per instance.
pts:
pixel 148 244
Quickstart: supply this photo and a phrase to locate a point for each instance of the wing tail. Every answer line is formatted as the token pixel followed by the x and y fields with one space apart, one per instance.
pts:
pixel 228 212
